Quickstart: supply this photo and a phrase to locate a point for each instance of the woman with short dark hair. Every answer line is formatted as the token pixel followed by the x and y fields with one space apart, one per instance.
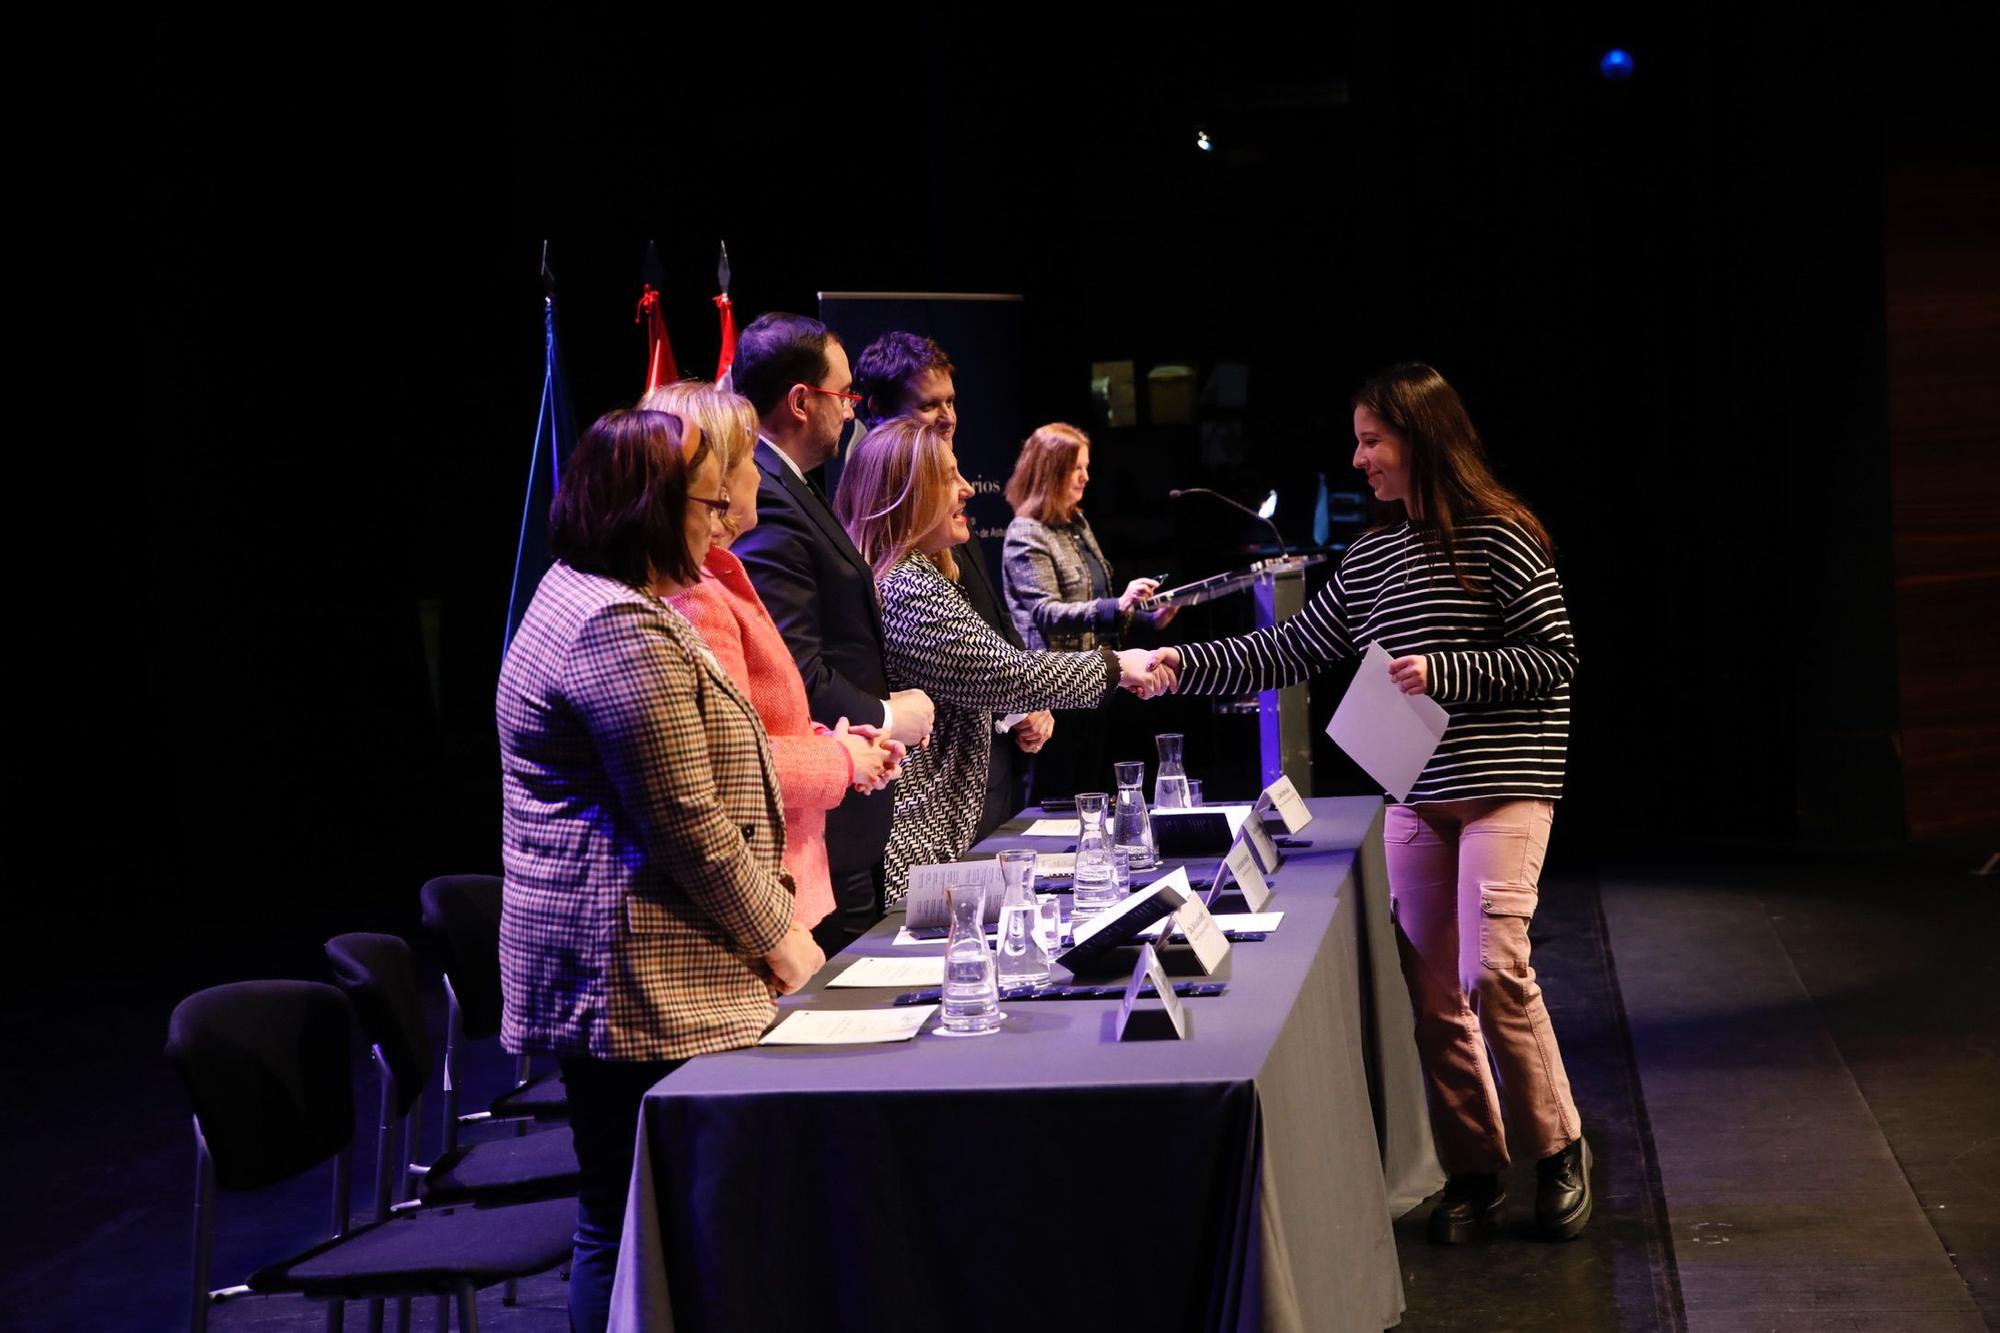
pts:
pixel 646 916
pixel 1460 589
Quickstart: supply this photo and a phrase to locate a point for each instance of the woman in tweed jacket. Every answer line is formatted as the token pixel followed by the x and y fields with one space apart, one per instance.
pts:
pixel 1060 591
pixel 645 916
pixel 816 766
pixel 902 500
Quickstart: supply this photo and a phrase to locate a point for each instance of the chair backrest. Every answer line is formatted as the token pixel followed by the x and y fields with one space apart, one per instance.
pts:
pixel 266 1066
pixel 464 912
pixel 378 975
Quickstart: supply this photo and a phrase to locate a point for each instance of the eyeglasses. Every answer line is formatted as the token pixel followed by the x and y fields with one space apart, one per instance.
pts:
pixel 719 506
pixel 831 393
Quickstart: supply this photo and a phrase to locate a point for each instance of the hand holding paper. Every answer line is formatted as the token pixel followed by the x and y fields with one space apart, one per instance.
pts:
pixel 1411 674
pixel 1391 733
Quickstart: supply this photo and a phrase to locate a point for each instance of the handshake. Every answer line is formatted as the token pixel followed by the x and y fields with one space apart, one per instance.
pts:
pixel 1149 674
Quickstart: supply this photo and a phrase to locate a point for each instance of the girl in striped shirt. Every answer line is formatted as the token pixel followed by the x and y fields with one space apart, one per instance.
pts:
pixel 1463 595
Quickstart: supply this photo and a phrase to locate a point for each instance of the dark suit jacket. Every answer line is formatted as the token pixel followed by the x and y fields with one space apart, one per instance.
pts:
pixel 821 595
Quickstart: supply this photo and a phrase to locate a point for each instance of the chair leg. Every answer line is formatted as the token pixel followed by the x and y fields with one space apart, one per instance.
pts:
pixel 413 1150
pixel 444 1313
pixel 468 1306
pixel 454 1036
pixel 204 1230
pixel 343 1184
pixel 387 1145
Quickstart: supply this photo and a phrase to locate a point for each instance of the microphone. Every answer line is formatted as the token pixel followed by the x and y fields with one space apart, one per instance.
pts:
pixel 1233 504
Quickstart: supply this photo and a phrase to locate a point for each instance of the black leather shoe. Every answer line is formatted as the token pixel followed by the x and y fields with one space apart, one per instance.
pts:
pixel 1469 1203
pixel 1562 1192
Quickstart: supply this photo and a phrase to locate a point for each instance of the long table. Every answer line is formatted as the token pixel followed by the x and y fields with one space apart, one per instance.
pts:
pixel 1244 1178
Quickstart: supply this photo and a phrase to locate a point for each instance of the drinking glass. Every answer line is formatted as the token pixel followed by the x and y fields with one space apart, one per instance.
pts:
pixel 1170 781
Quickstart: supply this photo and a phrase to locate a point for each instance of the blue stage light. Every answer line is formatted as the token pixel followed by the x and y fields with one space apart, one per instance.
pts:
pixel 1617 64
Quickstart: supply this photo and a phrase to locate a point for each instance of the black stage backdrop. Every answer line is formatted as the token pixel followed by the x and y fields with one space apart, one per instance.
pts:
pixel 1662 299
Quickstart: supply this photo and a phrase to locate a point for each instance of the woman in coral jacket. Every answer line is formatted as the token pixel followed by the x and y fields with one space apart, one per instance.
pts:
pixel 816 766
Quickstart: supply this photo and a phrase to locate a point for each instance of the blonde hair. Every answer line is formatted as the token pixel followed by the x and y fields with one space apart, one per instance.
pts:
pixel 899 484
pixel 1039 488
pixel 723 417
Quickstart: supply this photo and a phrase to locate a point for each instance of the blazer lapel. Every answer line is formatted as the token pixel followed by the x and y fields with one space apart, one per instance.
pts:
pixel 692 641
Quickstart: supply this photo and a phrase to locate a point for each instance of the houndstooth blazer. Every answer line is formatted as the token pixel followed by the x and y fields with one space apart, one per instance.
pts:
pixel 939 644
pixel 641 836
pixel 1046 571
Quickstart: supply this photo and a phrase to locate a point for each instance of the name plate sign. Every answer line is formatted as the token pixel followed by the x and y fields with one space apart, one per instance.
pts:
pixel 1291 807
pixel 1204 936
pixel 1169 1020
pixel 1242 869
pixel 1259 840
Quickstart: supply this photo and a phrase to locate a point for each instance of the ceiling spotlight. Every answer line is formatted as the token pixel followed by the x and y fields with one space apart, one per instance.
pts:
pixel 1203 142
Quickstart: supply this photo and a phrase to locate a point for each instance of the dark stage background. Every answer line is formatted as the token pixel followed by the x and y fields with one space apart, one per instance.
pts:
pixel 1672 304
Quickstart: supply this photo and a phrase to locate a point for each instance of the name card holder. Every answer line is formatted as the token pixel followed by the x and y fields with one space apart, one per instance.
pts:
pixel 1240 868
pixel 1204 937
pixel 1155 1020
pixel 1283 797
pixel 1261 844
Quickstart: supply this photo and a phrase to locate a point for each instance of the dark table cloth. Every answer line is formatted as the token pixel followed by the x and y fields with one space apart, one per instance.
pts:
pixel 1050 1176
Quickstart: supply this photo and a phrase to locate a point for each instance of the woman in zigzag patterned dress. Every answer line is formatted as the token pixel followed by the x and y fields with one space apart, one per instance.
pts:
pixel 902 500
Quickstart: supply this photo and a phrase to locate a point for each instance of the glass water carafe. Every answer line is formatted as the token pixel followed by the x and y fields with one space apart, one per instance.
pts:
pixel 1131 826
pixel 1094 887
pixel 1170 782
pixel 1024 958
pixel 971 992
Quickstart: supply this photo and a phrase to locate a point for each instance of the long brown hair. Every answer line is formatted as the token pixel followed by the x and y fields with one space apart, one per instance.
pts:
pixel 1449 479
pixel 1039 488
pixel 898 484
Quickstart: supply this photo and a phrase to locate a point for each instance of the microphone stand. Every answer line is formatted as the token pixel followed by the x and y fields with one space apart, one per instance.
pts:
pixel 1234 504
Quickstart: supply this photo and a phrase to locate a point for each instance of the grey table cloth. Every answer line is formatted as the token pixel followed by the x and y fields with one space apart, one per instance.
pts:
pixel 1050 1176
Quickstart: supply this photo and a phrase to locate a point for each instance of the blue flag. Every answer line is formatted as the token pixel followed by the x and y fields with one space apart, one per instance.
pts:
pixel 555 436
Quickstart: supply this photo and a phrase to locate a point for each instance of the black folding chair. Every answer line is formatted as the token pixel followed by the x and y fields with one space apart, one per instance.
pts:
pixel 266 1066
pixel 379 977
pixel 463 912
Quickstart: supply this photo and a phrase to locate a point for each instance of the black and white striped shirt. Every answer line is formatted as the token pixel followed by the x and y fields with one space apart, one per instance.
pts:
pixel 1500 660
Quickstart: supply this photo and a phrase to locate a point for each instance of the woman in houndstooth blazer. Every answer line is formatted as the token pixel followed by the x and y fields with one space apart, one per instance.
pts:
pixel 902 500
pixel 646 917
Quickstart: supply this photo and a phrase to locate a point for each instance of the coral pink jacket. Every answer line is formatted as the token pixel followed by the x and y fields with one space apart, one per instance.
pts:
pixel 814 772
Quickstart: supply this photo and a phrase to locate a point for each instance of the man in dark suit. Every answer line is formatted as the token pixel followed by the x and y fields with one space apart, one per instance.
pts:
pixel 818 589
pixel 906 375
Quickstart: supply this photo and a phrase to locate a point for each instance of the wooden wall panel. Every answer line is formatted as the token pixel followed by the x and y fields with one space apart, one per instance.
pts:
pixel 1942 271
